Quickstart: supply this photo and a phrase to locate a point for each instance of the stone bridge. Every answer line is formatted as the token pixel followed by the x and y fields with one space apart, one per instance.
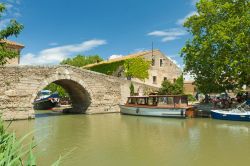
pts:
pixel 89 91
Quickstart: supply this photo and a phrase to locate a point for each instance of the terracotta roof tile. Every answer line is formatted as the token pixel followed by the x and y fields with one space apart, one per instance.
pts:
pixel 11 43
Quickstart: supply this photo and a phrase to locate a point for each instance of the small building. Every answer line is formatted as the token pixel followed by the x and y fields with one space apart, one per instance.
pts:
pixel 162 67
pixel 14 47
pixel 189 87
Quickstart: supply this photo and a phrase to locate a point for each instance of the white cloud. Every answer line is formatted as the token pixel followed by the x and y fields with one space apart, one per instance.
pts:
pixel 115 56
pixel 182 20
pixel 168 35
pixel 57 54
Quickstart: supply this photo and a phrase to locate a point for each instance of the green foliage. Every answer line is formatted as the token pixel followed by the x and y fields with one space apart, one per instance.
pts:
pixel 82 60
pixel 107 68
pixel 137 68
pixel 133 68
pixel 13 28
pixel 180 81
pixel 57 88
pixel 191 98
pixel 12 152
pixel 218 55
pixel 132 89
pixel 168 88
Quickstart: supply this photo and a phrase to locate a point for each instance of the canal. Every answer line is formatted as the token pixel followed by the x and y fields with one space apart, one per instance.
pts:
pixel 114 139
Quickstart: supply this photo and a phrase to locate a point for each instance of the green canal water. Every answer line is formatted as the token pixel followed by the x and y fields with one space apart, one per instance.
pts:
pixel 114 139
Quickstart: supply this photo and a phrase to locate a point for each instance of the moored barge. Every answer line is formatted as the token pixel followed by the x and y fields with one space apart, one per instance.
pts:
pixel 175 106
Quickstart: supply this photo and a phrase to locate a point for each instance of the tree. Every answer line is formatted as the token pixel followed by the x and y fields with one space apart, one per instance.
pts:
pixel 132 89
pixel 136 68
pixel 82 60
pixel 56 88
pixel 12 29
pixel 168 88
pixel 218 54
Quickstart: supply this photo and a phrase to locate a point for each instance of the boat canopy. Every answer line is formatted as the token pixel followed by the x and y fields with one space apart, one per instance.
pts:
pixel 159 100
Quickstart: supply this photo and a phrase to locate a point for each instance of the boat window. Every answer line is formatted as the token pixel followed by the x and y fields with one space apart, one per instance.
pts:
pixel 170 100
pixel 177 99
pixel 141 101
pixel 152 101
pixel 131 100
pixel 163 100
pixel 184 100
pixel 45 93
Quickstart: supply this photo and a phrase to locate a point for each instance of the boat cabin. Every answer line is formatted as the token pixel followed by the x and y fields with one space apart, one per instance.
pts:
pixel 165 101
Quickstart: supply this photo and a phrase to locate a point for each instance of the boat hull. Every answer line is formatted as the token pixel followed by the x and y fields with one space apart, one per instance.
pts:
pixel 44 105
pixel 159 112
pixel 224 115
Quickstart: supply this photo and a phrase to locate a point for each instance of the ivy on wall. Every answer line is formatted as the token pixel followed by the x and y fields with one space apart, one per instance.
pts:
pixel 137 68
pixel 108 68
pixel 134 68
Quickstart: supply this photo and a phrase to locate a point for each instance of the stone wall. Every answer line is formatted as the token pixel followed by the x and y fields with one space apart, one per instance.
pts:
pixel 168 69
pixel 90 92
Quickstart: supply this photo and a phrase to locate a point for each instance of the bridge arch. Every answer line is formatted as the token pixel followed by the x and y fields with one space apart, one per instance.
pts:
pixel 78 91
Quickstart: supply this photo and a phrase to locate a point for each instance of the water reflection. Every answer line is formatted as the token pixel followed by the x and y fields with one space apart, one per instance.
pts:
pixel 114 139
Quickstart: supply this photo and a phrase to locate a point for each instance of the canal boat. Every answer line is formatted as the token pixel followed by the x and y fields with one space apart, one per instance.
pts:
pixel 240 113
pixel 46 100
pixel 174 106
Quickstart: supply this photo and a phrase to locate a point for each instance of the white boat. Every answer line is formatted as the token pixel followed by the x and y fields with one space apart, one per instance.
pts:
pixel 46 100
pixel 157 105
pixel 240 113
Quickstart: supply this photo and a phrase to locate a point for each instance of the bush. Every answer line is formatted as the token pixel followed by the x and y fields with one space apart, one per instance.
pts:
pixel 191 98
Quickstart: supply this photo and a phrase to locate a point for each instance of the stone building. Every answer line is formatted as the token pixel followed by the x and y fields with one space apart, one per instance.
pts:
pixel 162 68
pixel 15 47
pixel 189 87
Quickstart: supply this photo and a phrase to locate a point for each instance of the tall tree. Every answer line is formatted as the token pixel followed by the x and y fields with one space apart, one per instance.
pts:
pixel 176 88
pixel 82 60
pixel 218 54
pixel 12 29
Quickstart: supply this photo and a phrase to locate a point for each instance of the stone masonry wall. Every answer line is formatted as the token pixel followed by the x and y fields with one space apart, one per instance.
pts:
pixel 19 86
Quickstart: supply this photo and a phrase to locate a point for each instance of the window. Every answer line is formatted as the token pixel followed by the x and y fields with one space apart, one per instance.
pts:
pixel 161 62
pixel 154 80
pixel 153 61
pixel 165 79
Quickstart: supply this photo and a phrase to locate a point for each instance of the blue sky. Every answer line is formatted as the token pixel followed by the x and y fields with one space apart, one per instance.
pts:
pixel 58 29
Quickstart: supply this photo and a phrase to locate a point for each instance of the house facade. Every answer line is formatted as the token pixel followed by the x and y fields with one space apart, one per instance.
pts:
pixel 162 67
pixel 14 47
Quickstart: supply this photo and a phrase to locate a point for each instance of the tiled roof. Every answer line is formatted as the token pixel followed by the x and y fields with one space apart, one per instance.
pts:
pixel 11 43
pixel 122 58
